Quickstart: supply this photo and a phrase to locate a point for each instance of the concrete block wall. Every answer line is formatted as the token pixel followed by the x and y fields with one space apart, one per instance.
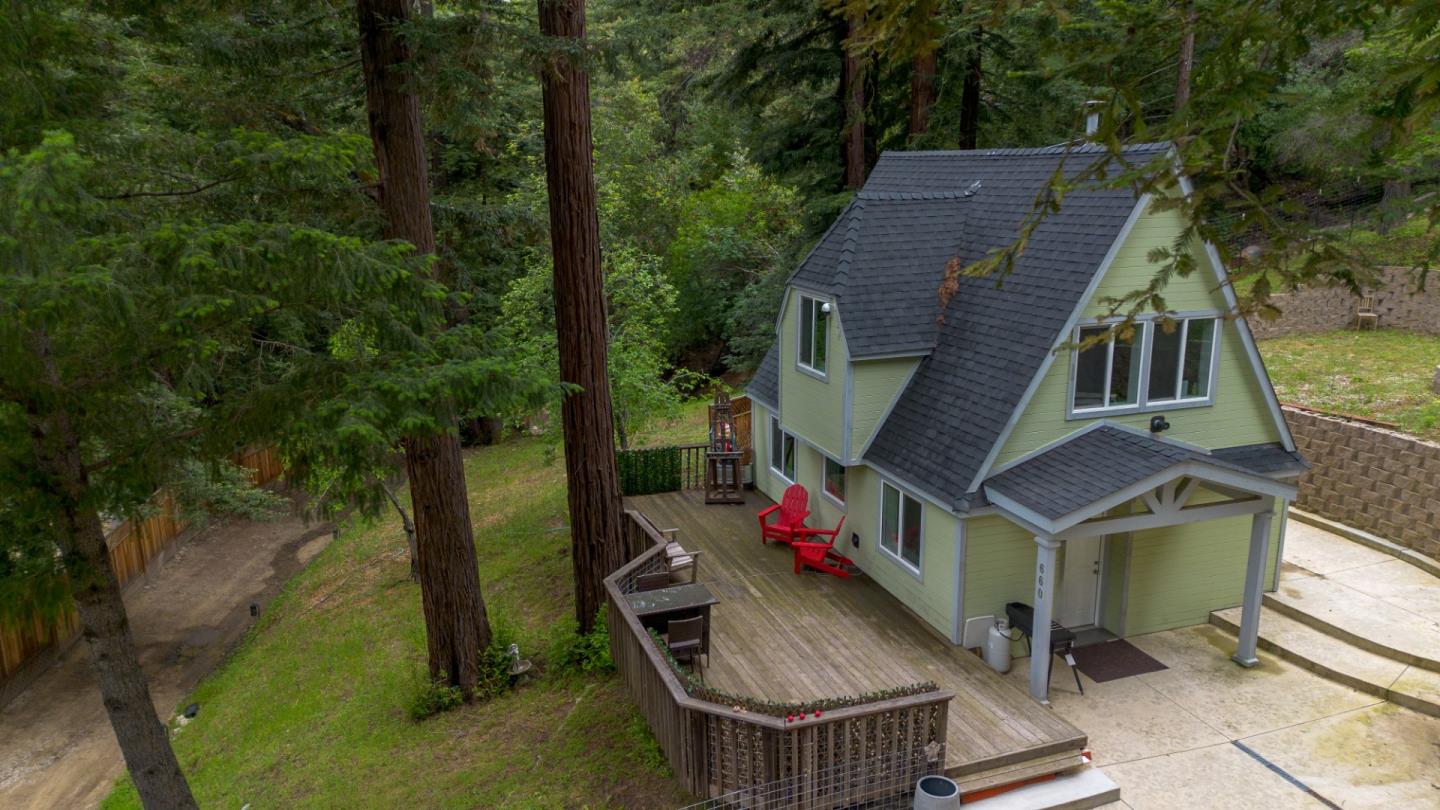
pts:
pixel 1326 309
pixel 1373 479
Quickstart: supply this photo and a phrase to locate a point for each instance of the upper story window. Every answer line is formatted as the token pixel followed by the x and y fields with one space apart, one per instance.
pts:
pixel 1105 372
pixel 1180 359
pixel 1175 359
pixel 814 336
pixel 782 451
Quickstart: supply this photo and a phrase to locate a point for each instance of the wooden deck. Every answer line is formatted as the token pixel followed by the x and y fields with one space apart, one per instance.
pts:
pixel 780 636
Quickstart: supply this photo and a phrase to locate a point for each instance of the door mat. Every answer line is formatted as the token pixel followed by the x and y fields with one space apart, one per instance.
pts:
pixel 1113 660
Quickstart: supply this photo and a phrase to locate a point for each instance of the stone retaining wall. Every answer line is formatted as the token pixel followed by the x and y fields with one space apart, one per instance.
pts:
pixel 1373 479
pixel 1326 309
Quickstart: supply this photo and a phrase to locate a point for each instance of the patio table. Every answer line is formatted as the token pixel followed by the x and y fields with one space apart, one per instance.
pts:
pixel 656 608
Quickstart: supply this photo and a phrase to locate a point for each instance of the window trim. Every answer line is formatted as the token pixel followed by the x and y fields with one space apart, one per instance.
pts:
pixel 1144 342
pixel 894 556
pixel 808 305
pixel 794 445
pixel 825 459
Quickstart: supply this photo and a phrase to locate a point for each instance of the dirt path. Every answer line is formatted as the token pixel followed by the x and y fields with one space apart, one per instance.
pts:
pixel 56 745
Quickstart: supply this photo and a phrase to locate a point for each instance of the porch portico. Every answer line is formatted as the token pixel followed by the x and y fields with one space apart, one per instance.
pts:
pixel 1109 481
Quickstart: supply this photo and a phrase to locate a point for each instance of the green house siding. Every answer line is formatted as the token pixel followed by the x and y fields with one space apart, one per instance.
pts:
pixel 1132 269
pixel 812 408
pixel 931 595
pixel 766 481
pixel 1152 580
pixel 874 386
pixel 999 565
pixel 1179 574
pixel 1240 413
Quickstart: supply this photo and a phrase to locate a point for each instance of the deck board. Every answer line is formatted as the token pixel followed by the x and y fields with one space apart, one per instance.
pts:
pixel 779 636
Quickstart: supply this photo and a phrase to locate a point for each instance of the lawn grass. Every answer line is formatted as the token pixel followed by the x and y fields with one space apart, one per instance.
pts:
pixel 311 711
pixel 1380 375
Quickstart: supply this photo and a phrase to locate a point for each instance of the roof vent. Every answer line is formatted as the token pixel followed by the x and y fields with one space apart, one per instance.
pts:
pixel 974 187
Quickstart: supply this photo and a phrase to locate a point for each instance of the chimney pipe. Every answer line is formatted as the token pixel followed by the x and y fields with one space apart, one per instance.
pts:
pixel 1092 118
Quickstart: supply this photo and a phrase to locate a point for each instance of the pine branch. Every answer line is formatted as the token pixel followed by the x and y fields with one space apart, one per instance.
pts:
pixel 130 195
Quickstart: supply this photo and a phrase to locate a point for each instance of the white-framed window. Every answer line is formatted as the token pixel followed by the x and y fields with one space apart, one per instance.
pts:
pixel 833 480
pixel 814 334
pixel 1106 374
pixel 1181 356
pixel 782 451
pixel 1163 363
pixel 901 526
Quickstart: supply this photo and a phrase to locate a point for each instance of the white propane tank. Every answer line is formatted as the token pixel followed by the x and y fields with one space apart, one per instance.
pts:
pixel 997 646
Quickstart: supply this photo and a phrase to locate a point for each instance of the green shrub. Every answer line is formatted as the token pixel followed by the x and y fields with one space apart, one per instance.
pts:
pixel 573 651
pixel 648 470
pixel 495 660
pixel 431 697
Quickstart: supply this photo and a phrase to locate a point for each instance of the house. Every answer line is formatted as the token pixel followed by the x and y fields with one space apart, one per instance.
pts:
pixel 1129 487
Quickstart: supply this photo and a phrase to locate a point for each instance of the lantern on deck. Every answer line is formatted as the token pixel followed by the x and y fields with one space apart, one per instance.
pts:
pixel 722 456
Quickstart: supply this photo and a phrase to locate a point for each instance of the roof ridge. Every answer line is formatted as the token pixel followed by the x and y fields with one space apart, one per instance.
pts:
pixel 1026 151
pixel 848 247
pixel 912 196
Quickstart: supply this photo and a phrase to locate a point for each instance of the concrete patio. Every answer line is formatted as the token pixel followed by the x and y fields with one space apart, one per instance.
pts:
pixel 1206 733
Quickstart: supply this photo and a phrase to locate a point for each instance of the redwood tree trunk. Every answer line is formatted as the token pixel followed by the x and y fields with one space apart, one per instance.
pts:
pixel 144 741
pixel 1187 57
pixel 596 532
pixel 853 87
pixel 922 92
pixel 970 94
pixel 456 626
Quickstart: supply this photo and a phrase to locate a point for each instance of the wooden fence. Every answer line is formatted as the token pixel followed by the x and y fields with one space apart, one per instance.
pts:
pixel 827 762
pixel 134 546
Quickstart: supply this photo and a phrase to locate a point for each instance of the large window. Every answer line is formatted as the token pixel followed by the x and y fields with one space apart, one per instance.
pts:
pixel 814 318
pixel 834 482
pixel 1105 373
pixel 900 526
pixel 1178 359
pixel 782 451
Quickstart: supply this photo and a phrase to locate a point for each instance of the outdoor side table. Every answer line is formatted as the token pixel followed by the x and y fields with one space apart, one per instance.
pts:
pixel 656 608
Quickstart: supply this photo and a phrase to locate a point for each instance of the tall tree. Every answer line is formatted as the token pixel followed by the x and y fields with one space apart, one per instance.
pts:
pixel 456 626
pixel 970 92
pixel 852 89
pixel 596 534
pixel 1187 56
pixel 133 350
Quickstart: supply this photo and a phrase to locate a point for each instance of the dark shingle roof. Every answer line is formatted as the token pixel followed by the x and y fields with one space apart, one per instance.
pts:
pixel 765 385
pixel 1267 459
pixel 882 260
pixel 996 333
pixel 1101 462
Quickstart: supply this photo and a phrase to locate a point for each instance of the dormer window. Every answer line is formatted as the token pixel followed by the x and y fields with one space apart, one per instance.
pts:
pixel 814 334
pixel 1174 357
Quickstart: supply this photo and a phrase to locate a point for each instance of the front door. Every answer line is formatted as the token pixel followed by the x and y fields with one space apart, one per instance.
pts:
pixel 1080 582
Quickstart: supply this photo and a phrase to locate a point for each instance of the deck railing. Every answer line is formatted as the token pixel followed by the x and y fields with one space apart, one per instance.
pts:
pixel 692 466
pixel 717 751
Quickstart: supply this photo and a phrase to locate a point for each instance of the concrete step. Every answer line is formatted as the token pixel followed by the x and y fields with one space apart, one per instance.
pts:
pixel 1360 619
pixel 1077 790
pixel 1337 660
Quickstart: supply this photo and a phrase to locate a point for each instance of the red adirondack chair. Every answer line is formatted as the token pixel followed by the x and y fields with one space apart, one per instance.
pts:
pixel 793 508
pixel 821 556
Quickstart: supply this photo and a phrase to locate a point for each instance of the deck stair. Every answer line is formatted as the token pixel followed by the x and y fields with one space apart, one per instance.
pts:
pixel 1387 674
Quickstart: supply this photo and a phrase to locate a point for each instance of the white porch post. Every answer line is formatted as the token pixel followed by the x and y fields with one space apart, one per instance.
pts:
pixel 1045 578
pixel 1254 589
